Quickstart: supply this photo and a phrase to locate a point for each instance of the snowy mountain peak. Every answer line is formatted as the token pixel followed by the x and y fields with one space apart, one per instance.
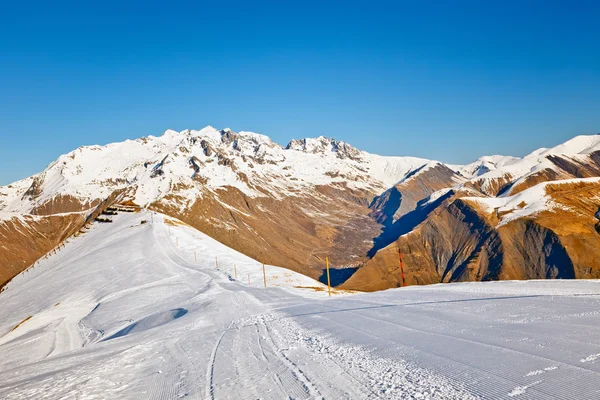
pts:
pixel 485 164
pixel 323 145
pixel 582 144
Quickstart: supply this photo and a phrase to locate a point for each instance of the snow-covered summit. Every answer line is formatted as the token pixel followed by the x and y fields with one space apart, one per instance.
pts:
pixel 571 159
pixel 484 165
pixel 582 144
pixel 323 145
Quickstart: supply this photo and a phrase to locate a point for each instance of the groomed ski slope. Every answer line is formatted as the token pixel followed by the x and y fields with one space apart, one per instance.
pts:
pixel 124 311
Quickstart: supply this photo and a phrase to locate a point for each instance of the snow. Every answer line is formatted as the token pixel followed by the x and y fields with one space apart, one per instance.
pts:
pixel 125 311
pixel 483 165
pixel 249 160
pixel 436 195
pixel 210 253
pixel 526 203
pixel 518 169
pixel 582 144
pixel 391 170
pixel 6 216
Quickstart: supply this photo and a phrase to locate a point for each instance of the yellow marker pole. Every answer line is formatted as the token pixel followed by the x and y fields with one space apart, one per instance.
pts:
pixel 328 280
pixel 217 262
pixel 264 275
pixel 234 271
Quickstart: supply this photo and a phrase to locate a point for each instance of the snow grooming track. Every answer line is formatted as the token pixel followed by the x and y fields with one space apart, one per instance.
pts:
pixel 298 378
pixel 210 371
pixel 365 375
pixel 271 374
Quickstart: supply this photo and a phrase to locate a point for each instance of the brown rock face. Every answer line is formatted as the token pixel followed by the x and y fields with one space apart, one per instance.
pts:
pixel 405 196
pixel 64 204
pixel 533 252
pixel 532 180
pixel 491 187
pixel 562 167
pixel 24 240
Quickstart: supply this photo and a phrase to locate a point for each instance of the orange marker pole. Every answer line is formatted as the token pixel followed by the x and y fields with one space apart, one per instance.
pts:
pixel 328 279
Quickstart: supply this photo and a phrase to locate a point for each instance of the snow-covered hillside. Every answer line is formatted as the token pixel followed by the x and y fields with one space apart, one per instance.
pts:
pixel 484 165
pixel 561 161
pixel 526 203
pixel 127 311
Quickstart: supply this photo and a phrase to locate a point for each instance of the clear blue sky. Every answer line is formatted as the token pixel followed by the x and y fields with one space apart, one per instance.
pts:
pixel 448 80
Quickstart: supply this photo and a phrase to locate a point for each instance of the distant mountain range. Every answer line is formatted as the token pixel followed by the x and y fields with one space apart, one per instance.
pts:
pixel 499 217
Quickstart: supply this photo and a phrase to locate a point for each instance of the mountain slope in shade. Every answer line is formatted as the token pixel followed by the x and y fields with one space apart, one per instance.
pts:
pixel 314 198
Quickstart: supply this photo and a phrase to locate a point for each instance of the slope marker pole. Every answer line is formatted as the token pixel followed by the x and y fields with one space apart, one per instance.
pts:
pixel 177 240
pixel 195 262
pixel 328 279
pixel 264 275
pixel 217 262
pixel 234 271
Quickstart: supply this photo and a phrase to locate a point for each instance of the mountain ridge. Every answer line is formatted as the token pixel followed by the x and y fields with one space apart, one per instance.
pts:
pixel 293 205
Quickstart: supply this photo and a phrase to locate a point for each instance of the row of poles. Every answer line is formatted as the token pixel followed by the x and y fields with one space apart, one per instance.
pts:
pixel 400 261
pixel 217 263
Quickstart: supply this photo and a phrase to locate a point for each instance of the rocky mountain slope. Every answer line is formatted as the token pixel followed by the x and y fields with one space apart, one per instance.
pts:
pixel 497 218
